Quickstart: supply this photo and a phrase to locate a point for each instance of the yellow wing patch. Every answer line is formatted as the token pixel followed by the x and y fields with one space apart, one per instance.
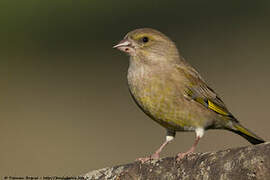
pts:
pixel 216 108
pixel 244 131
pixel 207 103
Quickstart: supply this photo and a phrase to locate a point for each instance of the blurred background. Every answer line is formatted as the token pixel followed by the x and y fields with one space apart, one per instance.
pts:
pixel 64 103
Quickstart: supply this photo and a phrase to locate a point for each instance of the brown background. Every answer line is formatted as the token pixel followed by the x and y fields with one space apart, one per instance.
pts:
pixel 64 103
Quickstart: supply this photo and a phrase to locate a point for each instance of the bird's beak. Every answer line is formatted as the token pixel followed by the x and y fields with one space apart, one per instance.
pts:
pixel 122 43
pixel 125 46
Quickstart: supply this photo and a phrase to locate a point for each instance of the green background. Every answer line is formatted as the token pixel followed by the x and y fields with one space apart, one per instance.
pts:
pixel 64 103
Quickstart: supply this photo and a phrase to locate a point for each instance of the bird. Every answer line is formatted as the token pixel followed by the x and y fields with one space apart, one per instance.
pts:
pixel 172 92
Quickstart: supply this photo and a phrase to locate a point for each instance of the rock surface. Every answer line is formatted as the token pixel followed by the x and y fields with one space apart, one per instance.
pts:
pixel 250 162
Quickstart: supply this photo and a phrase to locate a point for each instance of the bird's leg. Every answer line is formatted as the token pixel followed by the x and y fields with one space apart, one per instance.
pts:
pixel 191 150
pixel 170 136
pixel 156 154
pixel 199 135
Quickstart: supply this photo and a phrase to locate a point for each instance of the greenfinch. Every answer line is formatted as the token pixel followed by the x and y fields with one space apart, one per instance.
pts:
pixel 170 91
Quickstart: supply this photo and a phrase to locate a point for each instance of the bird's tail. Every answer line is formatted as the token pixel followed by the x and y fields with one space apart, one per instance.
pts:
pixel 247 134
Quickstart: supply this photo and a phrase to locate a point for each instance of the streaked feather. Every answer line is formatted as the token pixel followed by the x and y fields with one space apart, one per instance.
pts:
pixel 197 90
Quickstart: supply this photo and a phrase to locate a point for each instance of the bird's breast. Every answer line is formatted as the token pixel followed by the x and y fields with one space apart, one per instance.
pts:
pixel 156 94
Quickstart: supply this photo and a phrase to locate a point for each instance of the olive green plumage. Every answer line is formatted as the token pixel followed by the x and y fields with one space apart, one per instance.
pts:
pixel 170 90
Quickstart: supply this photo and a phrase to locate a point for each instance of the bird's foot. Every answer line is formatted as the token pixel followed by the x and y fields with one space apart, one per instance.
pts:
pixel 181 155
pixel 146 159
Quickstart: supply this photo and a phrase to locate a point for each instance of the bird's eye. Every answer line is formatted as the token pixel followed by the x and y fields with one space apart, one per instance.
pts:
pixel 145 39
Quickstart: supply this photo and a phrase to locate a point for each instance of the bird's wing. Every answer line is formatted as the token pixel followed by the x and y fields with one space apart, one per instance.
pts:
pixel 197 90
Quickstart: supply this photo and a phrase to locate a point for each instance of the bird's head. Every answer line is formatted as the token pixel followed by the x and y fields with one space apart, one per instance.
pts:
pixel 148 46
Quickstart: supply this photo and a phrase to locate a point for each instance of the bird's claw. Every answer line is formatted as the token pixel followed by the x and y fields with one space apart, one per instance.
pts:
pixel 146 159
pixel 143 160
pixel 180 156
